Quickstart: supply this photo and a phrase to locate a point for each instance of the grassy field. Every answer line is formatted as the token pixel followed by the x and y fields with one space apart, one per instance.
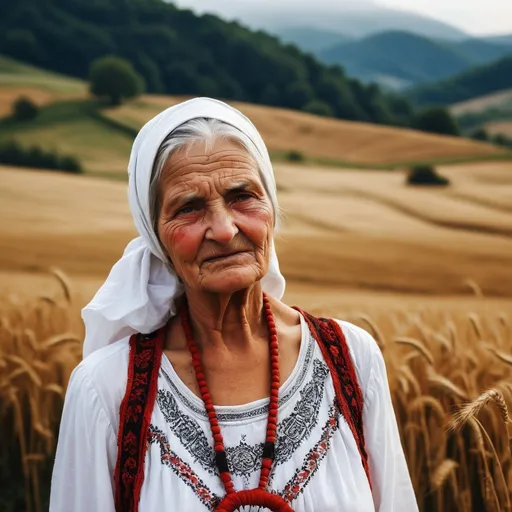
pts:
pixel 284 130
pixel 42 87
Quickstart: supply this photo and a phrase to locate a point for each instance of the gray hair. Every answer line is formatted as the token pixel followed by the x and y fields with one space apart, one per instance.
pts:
pixel 208 131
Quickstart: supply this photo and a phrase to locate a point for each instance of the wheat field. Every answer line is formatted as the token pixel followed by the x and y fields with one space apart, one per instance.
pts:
pixel 449 370
pixel 426 272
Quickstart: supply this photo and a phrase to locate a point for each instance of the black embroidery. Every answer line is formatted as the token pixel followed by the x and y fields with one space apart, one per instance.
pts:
pixel 295 486
pixel 244 458
pixel 187 430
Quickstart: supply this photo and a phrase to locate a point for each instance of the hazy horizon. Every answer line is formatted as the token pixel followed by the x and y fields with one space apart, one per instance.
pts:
pixel 492 17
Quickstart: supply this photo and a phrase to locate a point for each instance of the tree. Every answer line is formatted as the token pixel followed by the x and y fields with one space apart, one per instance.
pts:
pixel 24 109
pixel 319 108
pixel 437 120
pixel 298 94
pixel 115 78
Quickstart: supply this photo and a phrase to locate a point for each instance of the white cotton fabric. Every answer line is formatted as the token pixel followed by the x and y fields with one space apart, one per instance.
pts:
pixel 140 291
pixel 87 447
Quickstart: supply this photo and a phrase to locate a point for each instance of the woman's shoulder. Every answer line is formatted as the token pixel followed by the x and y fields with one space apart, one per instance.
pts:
pixel 103 375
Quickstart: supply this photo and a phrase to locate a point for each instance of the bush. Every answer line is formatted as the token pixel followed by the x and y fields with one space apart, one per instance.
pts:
pixel 436 120
pixel 480 134
pixel 116 79
pixel 295 156
pixel 425 175
pixel 24 109
pixel 12 153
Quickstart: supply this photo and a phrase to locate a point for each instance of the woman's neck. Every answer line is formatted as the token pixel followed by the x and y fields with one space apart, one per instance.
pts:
pixel 227 321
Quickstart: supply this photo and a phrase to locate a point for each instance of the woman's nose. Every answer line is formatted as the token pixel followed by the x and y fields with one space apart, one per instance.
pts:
pixel 221 226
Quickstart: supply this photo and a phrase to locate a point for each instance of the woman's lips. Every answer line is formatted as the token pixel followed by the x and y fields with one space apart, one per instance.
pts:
pixel 224 257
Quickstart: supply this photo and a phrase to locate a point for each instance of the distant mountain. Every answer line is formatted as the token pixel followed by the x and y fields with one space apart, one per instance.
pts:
pixel 401 57
pixel 362 23
pixel 311 39
pixel 353 19
pixel 481 51
pixel 470 84
pixel 503 39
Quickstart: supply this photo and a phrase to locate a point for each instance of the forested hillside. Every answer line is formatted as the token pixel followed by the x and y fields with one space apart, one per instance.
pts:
pixel 470 84
pixel 179 52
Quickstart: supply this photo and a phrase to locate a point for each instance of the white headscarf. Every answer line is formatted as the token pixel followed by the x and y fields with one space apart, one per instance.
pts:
pixel 140 291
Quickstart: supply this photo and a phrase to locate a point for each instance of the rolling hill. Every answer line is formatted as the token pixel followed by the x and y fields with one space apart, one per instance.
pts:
pixel 75 124
pixel 18 79
pixel 465 86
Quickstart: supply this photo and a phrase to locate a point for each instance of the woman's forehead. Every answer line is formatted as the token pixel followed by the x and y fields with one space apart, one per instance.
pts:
pixel 224 159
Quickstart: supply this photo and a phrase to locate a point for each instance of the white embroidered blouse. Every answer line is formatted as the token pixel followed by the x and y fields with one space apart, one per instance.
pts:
pixel 317 466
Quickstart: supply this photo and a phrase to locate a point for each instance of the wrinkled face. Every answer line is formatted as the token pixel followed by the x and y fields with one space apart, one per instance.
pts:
pixel 215 219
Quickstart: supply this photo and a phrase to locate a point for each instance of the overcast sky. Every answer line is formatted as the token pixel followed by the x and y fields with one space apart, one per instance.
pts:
pixel 477 17
pixel 473 16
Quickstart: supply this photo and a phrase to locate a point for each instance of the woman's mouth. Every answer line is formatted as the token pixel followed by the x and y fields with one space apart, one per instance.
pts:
pixel 224 257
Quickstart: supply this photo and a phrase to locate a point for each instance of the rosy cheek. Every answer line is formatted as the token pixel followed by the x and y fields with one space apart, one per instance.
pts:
pixel 255 222
pixel 184 241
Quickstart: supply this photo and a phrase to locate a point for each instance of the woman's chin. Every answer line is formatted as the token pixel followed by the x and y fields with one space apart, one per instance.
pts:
pixel 230 280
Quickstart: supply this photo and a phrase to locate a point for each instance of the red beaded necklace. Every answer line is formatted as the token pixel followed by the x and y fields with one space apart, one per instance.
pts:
pixel 258 497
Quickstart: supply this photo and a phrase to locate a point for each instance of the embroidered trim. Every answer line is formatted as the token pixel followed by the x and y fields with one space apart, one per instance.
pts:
pixel 244 458
pixel 349 396
pixel 295 486
pixel 240 416
pixel 135 416
pixel 303 476
pixel 182 470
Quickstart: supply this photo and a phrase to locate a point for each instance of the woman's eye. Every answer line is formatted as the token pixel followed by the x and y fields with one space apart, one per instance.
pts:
pixel 185 210
pixel 243 197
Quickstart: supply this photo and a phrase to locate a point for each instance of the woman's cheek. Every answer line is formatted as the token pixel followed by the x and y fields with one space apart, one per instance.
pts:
pixel 256 222
pixel 183 241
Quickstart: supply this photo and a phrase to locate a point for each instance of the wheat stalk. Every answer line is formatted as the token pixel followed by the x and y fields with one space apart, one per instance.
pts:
pixel 442 472
pixel 471 409
pixel 411 342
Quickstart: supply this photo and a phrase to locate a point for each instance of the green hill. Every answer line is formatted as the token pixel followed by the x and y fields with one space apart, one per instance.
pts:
pixel 15 73
pixel 179 52
pixel 402 56
pixel 470 84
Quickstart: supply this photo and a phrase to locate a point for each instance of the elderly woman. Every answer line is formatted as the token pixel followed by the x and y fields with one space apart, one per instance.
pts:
pixel 199 388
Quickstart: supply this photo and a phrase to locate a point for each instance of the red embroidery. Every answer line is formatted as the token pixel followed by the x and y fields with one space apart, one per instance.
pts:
pixel 135 415
pixel 349 396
